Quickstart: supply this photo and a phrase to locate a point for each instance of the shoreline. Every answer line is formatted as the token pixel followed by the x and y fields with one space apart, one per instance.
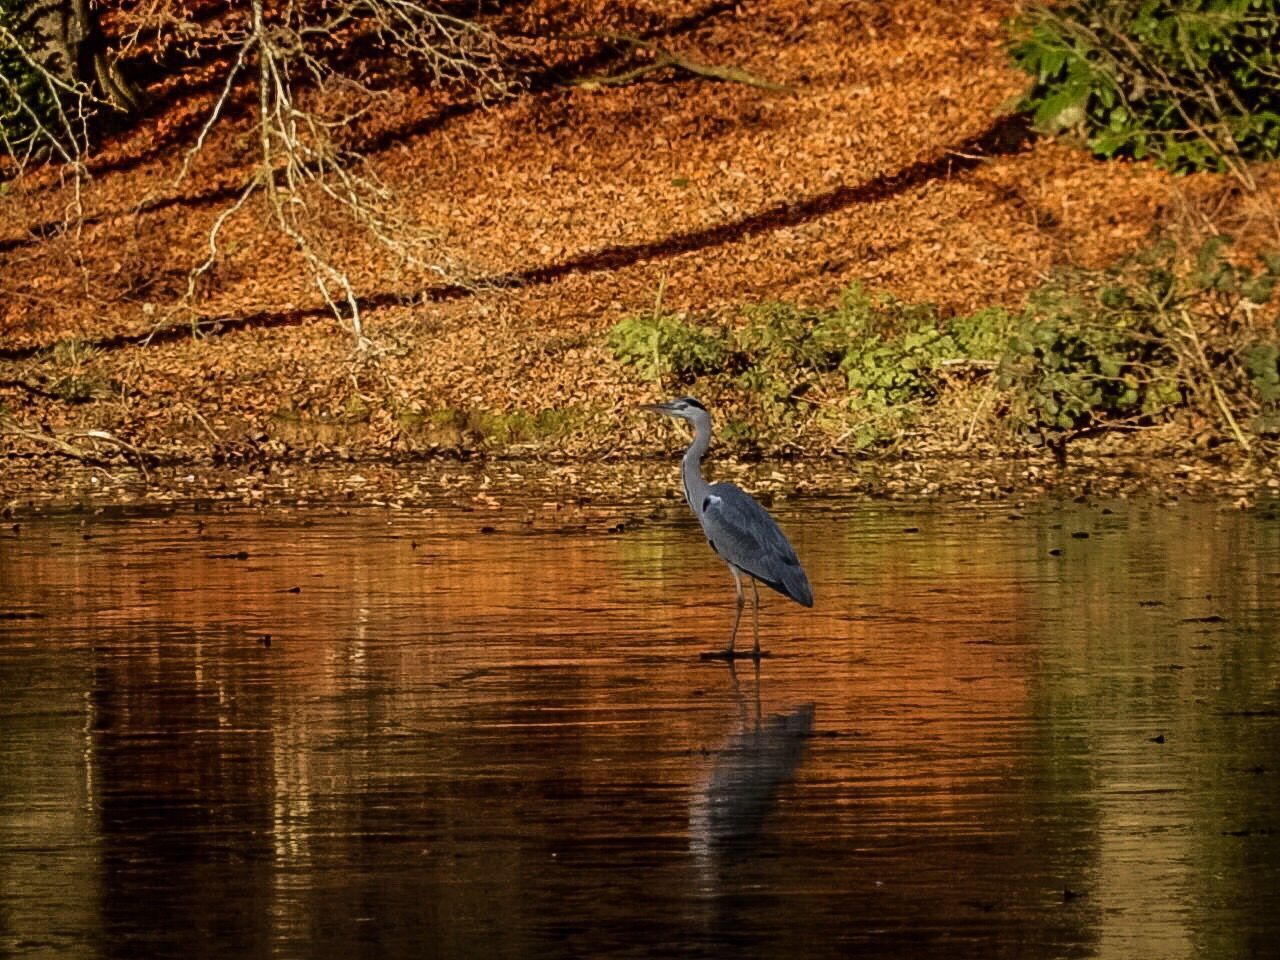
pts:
pixel 32 486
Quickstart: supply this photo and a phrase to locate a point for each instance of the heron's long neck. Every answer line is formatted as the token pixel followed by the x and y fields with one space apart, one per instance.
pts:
pixel 695 488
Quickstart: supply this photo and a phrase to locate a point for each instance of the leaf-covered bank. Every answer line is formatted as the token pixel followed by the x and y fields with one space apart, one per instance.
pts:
pixel 884 174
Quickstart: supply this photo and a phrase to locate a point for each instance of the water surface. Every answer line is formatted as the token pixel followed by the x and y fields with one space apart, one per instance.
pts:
pixel 1046 731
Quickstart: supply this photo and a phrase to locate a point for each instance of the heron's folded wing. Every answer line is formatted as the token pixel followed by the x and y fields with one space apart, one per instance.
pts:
pixel 744 534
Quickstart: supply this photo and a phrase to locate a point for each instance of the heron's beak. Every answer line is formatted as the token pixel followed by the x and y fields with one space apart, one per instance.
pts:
pixel 663 408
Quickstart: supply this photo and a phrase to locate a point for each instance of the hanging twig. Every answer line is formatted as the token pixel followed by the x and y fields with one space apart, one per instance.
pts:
pixel 1189 331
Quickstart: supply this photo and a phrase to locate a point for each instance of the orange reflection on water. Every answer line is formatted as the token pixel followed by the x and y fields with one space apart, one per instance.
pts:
pixel 394 730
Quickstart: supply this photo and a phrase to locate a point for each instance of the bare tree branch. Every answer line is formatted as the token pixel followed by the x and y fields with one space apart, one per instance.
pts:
pixel 292 56
pixel 305 105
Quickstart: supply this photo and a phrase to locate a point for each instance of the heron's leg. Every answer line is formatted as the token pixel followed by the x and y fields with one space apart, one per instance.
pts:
pixel 737 614
pixel 755 619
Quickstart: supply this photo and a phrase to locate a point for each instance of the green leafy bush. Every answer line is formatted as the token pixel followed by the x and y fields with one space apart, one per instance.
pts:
pixel 782 349
pixel 1191 83
pixel 521 426
pixel 74 367
pixel 881 356
pixel 889 352
pixel 1160 335
pixel 884 371
pixel 778 353
pixel 1074 366
pixel 660 345
pixel 1262 362
pixel 1136 343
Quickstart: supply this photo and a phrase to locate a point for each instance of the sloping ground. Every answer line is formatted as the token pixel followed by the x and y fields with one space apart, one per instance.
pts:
pixel 887 166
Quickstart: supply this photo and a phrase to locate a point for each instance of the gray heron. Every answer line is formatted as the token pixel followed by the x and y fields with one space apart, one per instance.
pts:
pixel 738 529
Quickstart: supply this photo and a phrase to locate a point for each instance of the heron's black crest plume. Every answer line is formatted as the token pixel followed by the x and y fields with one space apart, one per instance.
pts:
pixel 692 402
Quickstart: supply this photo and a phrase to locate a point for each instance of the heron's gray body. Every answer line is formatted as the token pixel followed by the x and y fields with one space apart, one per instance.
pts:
pixel 738 529
pixel 746 537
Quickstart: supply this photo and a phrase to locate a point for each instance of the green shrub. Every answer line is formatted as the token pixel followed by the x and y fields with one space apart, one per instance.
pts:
pixel 73 364
pixel 882 372
pixel 1157 335
pixel 983 334
pixel 1073 368
pixel 661 345
pixel 1137 342
pixel 889 352
pixel 782 350
pixel 898 353
pixel 883 356
pixel 520 426
pixel 783 336
pixel 1262 363
pixel 1191 83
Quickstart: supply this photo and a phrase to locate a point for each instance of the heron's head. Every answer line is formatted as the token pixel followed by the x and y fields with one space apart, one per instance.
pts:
pixel 686 408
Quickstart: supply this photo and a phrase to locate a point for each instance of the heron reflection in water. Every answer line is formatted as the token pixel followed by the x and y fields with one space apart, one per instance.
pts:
pixel 732 805
pixel 737 528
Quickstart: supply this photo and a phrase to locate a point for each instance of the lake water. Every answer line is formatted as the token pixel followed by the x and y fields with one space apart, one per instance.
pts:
pixel 1050 730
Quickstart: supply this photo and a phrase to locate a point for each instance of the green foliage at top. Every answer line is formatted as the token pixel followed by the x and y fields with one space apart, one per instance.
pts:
pixel 1191 83
pixel 25 97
